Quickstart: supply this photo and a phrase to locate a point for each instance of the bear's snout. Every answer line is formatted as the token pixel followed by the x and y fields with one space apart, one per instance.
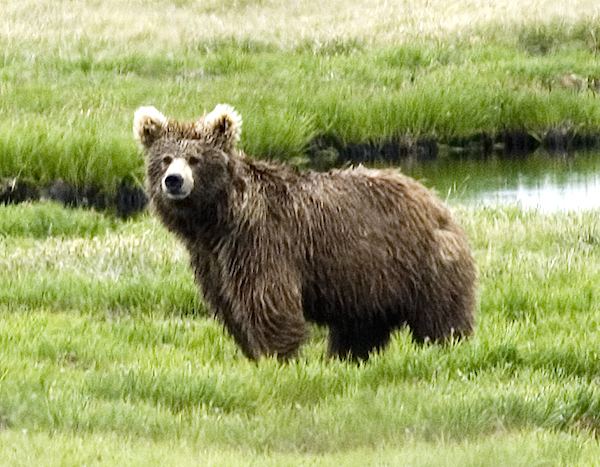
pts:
pixel 178 180
pixel 173 182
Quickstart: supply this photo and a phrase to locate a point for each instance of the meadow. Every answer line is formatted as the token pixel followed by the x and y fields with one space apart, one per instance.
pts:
pixel 108 355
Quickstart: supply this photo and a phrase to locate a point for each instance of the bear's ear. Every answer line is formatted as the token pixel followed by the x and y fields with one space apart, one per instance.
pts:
pixel 223 125
pixel 148 125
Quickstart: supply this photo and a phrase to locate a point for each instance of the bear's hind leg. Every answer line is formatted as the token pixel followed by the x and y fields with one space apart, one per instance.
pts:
pixel 357 341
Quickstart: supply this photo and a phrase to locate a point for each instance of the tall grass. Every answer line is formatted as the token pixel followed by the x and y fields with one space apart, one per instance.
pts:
pixel 69 88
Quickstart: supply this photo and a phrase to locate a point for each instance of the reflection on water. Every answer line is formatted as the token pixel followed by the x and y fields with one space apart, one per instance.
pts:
pixel 544 182
pixel 547 195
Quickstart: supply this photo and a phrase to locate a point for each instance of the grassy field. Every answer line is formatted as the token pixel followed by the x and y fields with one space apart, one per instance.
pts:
pixel 107 356
pixel 72 73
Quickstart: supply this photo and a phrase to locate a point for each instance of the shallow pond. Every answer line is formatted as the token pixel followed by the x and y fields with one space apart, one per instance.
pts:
pixel 540 181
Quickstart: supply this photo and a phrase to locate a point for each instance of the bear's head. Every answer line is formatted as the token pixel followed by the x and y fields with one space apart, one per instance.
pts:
pixel 188 164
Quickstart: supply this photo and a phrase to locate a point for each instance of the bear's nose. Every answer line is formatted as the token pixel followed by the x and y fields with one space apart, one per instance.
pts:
pixel 173 183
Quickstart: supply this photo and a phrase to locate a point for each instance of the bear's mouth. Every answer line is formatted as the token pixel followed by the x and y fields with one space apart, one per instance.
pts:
pixel 176 196
pixel 176 199
pixel 176 206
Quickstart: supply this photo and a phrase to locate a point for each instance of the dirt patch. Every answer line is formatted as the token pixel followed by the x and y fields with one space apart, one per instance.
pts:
pixel 326 151
pixel 480 144
pixel 516 143
pixel 89 196
pixel 17 190
pixel 128 200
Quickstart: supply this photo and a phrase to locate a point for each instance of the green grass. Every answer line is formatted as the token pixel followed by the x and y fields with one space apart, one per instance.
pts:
pixel 67 100
pixel 41 220
pixel 539 448
pixel 107 356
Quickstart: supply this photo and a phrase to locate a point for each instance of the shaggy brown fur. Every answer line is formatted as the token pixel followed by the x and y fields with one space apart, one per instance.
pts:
pixel 361 251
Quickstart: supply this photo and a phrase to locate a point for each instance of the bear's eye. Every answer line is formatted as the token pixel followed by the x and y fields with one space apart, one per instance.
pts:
pixel 166 160
pixel 193 160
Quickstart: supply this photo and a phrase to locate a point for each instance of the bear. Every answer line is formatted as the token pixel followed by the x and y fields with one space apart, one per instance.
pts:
pixel 361 251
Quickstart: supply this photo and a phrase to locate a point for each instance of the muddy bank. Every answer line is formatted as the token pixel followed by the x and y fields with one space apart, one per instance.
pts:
pixel 326 152
pixel 127 200
pixel 323 153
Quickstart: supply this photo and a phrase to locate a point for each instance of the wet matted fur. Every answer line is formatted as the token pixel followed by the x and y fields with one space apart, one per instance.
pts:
pixel 360 251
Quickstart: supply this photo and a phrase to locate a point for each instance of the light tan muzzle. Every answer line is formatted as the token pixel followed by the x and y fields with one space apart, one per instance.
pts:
pixel 178 181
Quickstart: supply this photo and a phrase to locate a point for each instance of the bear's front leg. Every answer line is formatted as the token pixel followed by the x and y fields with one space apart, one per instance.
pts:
pixel 265 318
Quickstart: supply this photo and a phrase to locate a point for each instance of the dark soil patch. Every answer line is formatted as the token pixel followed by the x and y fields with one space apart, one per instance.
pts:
pixel 566 140
pixel 327 151
pixel 89 196
pixel 17 190
pixel 128 200
pixel 517 143
pixel 478 145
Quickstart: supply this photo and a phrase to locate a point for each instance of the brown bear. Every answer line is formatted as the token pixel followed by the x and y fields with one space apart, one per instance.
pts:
pixel 361 251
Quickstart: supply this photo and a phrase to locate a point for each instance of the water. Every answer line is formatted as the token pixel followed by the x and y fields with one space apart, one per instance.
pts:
pixel 548 183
